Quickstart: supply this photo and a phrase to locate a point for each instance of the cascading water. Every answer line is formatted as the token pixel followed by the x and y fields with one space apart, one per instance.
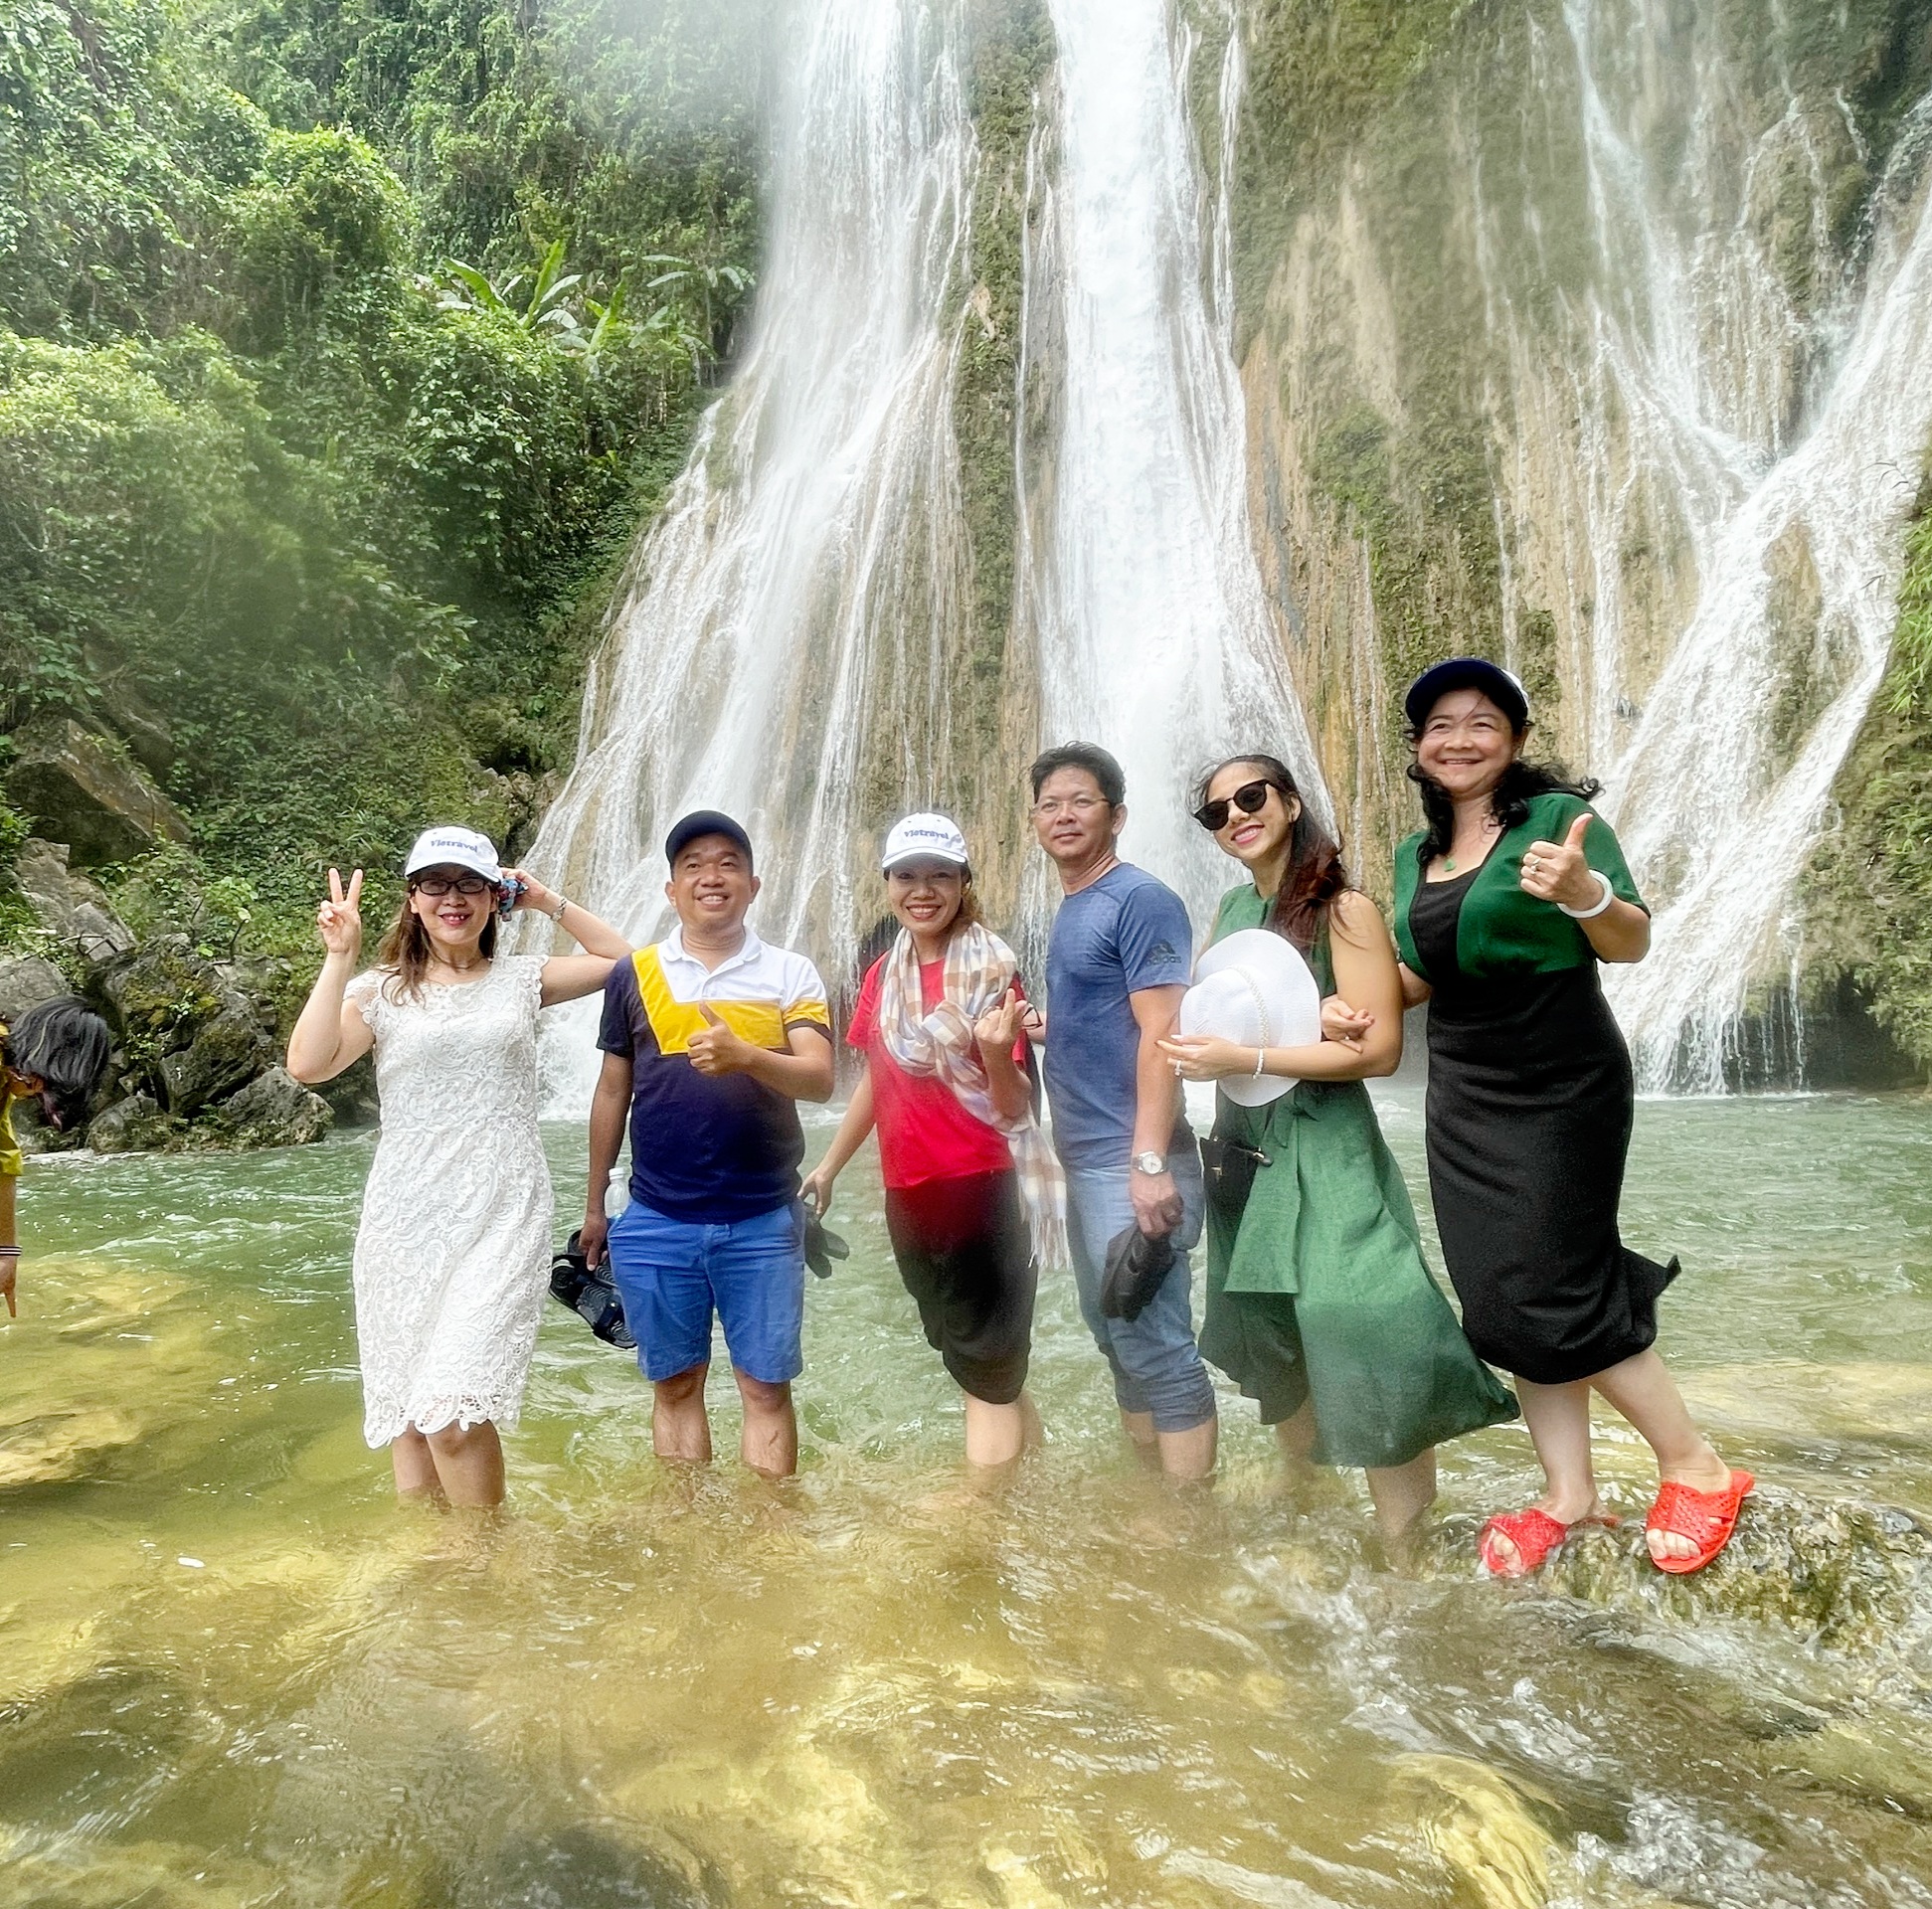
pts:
pixel 1154 633
pixel 789 617
pixel 783 649
pixel 1779 443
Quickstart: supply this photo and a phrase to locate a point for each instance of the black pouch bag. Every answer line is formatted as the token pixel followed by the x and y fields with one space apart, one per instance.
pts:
pixel 1136 1267
pixel 591 1295
pixel 1230 1167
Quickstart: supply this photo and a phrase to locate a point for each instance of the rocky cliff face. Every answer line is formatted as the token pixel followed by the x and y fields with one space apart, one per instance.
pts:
pixel 1535 301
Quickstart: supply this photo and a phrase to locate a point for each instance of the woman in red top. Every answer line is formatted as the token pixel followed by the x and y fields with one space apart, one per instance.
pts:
pixel 974 1196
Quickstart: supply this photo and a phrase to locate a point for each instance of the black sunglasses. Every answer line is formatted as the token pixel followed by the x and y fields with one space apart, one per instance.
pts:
pixel 1250 798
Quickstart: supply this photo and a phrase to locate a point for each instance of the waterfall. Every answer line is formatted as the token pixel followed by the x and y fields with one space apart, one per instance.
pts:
pixel 781 646
pixel 784 626
pixel 1154 633
pixel 1776 442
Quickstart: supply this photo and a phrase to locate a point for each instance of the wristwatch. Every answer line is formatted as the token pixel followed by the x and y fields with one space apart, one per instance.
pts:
pixel 1150 1163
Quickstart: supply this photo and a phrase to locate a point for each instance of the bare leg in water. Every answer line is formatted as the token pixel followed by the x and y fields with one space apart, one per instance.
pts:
pixel 996 1435
pixel 1401 1492
pixel 469 1463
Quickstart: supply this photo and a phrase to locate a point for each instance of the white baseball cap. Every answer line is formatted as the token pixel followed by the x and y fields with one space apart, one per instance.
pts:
pixel 453 848
pixel 933 835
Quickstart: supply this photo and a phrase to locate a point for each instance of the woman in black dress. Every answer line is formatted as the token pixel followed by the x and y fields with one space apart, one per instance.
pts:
pixel 1504 905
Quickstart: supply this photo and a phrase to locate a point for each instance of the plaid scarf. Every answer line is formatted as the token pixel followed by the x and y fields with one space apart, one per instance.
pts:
pixel 979 967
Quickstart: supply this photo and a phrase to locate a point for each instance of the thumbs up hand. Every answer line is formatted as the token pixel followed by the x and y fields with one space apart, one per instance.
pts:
pixel 714 1049
pixel 1557 872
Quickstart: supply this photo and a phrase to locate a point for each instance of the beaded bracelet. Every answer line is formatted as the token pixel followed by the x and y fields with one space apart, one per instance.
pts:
pixel 1261 1055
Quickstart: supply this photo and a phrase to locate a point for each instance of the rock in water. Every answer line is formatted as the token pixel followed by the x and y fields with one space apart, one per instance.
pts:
pixel 1479 1824
pixel 131 1127
pixel 276 1109
pixel 81 787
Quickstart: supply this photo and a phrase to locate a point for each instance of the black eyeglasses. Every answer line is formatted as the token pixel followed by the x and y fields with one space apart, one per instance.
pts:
pixel 1250 798
pixel 438 886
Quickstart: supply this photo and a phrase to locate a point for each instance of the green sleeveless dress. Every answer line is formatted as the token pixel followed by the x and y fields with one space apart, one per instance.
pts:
pixel 1316 1288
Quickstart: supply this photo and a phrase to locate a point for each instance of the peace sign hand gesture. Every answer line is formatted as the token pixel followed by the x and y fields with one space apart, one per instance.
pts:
pixel 1557 872
pixel 339 918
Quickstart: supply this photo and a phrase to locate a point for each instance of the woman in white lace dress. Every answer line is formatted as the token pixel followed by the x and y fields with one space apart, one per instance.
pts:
pixel 454 1248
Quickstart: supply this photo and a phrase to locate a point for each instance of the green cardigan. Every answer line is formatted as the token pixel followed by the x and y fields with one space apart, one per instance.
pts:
pixel 1502 930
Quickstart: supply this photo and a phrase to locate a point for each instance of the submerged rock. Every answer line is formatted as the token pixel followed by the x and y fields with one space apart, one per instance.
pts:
pixel 1479 1824
pixel 54 1447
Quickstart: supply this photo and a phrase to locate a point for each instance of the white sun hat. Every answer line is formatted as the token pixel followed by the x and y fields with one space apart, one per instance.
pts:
pixel 925 834
pixel 449 847
pixel 1255 990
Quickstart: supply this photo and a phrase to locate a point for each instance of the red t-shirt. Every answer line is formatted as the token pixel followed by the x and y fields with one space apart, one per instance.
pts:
pixel 924 1132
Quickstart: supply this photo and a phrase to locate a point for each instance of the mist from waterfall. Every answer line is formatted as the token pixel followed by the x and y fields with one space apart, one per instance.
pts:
pixel 1781 442
pixel 1154 632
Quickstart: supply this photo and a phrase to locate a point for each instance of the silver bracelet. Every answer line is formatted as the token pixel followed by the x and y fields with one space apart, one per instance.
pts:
pixel 557 913
pixel 1604 900
pixel 1260 1054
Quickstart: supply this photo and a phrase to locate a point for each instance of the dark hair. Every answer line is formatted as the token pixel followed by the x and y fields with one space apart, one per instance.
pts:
pixel 1104 771
pixel 405 949
pixel 1314 875
pixel 63 1044
pixel 1520 784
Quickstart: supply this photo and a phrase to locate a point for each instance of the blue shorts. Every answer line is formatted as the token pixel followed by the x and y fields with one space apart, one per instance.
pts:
pixel 672 1274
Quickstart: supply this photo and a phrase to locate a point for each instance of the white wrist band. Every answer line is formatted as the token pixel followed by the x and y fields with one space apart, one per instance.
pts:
pixel 1260 1054
pixel 1603 901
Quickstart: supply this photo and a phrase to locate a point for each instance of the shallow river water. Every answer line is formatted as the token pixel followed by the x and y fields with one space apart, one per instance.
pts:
pixel 233 1672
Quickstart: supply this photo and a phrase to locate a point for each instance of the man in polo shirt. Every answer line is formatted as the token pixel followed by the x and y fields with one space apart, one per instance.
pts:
pixel 710 1040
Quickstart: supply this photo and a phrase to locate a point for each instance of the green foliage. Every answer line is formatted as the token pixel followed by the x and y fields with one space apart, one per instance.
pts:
pixel 344 530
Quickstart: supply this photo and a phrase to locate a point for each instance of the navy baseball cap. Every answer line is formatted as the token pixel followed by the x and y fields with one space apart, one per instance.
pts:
pixel 1500 685
pixel 703 821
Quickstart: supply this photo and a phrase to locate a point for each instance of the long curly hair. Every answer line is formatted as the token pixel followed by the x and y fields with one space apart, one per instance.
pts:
pixel 1521 782
pixel 1316 874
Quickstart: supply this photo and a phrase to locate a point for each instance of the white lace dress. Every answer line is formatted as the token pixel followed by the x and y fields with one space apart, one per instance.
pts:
pixel 453 1251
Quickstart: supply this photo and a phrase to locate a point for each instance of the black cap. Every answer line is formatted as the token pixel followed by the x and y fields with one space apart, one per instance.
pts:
pixel 1503 689
pixel 703 821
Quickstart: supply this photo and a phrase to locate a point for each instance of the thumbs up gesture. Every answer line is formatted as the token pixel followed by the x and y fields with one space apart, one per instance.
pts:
pixel 714 1049
pixel 1557 872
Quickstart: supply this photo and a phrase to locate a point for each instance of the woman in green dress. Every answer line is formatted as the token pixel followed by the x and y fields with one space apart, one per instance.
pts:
pixel 1319 1303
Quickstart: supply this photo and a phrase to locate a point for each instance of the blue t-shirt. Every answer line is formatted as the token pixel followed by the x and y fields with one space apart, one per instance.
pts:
pixel 710 1148
pixel 1127 932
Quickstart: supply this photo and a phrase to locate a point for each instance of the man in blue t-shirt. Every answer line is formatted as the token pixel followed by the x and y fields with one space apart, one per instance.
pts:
pixel 1117 966
pixel 710 1040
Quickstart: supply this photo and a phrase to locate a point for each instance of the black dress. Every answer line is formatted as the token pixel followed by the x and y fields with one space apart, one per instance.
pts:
pixel 1529 1108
